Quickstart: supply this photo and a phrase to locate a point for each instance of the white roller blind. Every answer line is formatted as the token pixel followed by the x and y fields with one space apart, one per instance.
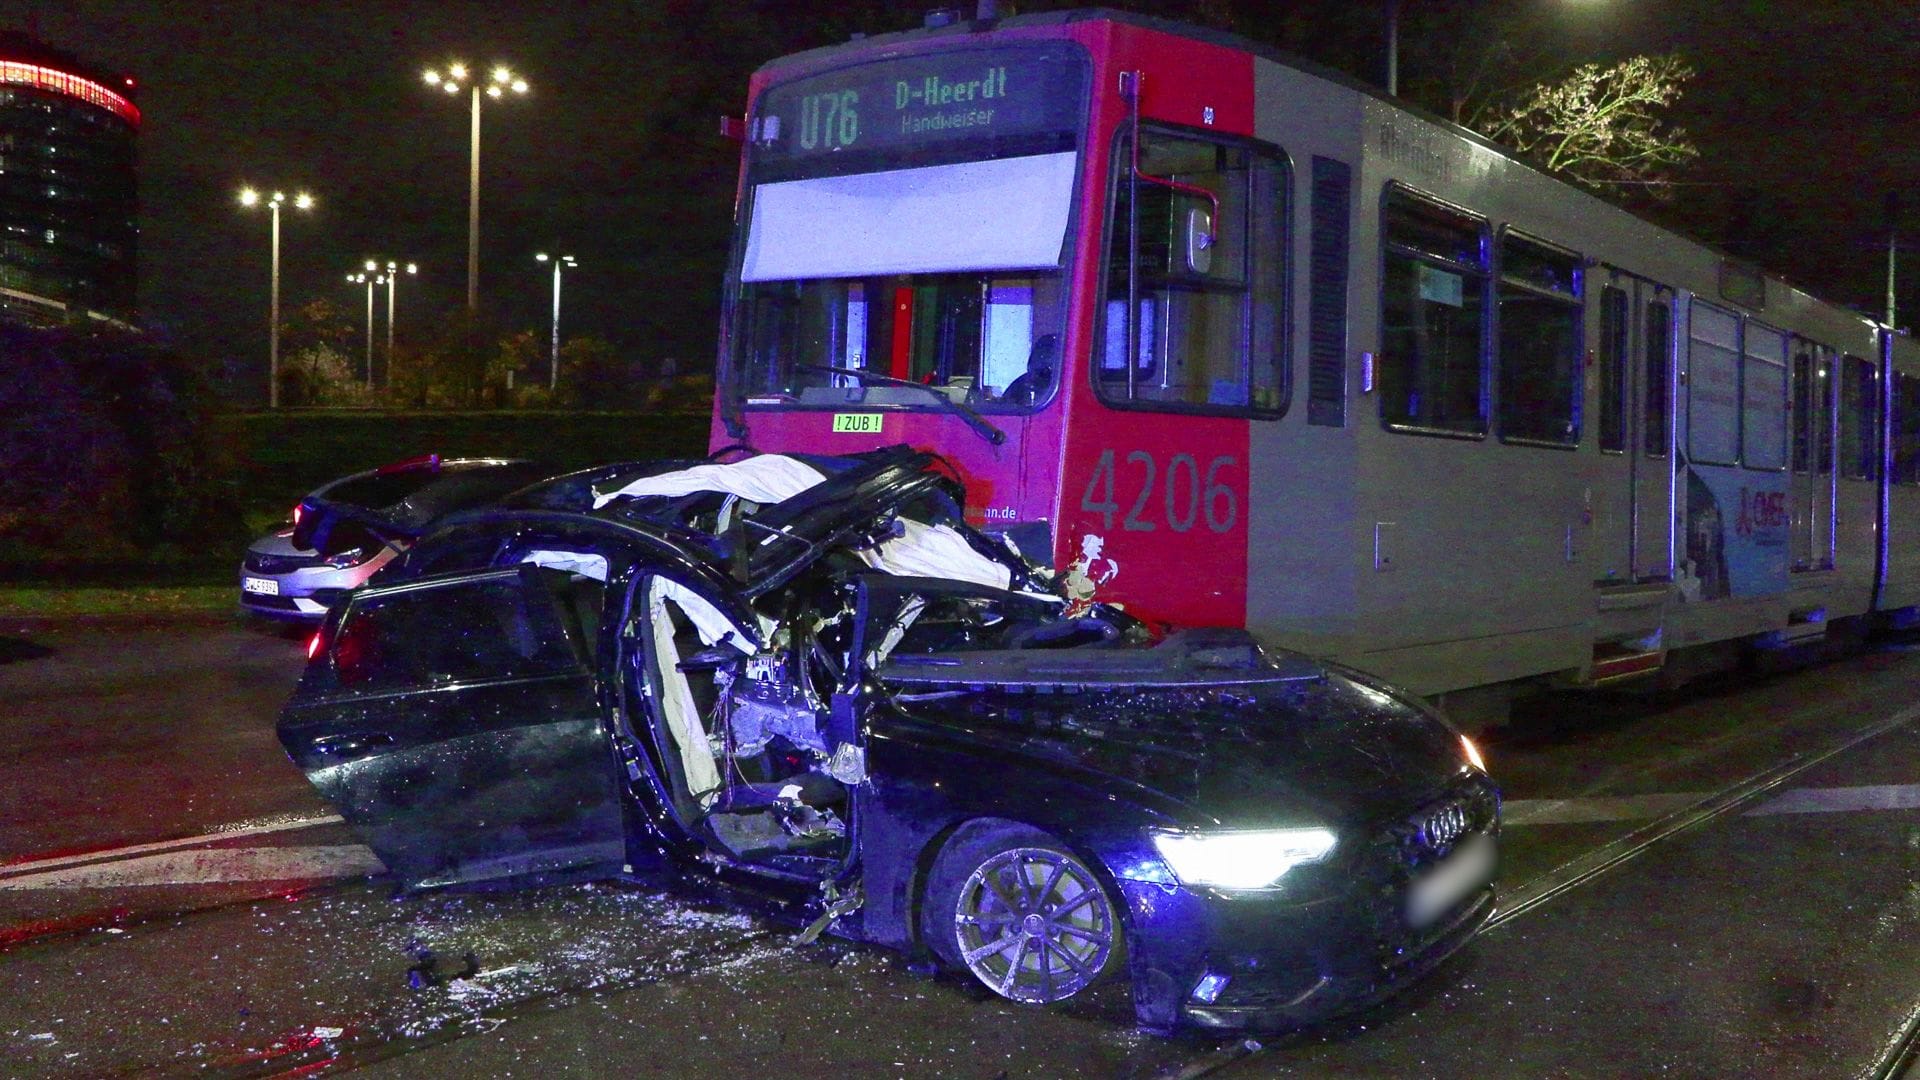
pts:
pixel 977 215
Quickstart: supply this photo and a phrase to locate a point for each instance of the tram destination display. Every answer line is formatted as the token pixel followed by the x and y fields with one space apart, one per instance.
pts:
pixel 1021 100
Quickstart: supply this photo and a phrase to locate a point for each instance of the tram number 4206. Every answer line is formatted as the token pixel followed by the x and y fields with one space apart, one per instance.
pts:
pixel 1189 494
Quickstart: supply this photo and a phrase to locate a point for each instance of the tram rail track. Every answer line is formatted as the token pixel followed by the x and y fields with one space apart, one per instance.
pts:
pixel 1900 1059
pixel 1593 864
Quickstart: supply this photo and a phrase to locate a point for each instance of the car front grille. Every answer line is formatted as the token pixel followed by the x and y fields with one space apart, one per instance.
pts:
pixel 1432 831
pixel 262 563
pixel 1407 847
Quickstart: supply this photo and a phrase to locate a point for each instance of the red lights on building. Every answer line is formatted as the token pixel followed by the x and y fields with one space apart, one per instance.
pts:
pixel 14 73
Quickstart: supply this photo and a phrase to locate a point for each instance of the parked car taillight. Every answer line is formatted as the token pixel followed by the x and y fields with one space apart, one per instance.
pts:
pixel 296 515
pixel 313 644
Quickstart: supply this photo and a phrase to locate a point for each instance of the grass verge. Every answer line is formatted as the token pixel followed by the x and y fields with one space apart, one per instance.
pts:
pixel 54 601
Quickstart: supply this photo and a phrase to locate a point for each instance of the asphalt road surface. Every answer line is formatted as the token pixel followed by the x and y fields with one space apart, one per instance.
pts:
pixel 1722 883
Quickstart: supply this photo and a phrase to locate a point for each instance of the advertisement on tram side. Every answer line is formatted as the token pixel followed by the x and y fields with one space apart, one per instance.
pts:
pixel 1736 539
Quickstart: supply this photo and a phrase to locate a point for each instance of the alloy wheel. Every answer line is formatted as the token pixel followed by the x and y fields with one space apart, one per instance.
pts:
pixel 1034 925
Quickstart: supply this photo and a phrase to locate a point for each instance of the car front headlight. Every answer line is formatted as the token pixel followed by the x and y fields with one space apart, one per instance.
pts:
pixel 1241 860
pixel 1473 754
pixel 350 557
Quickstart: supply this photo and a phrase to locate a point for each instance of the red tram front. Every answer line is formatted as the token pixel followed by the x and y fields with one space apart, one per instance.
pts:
pixel 923 257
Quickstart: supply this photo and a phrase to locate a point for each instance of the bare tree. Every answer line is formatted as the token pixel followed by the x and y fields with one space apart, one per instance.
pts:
pixel 1602 125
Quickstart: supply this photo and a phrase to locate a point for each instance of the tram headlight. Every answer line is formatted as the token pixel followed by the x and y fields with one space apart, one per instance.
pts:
pixel 1241 860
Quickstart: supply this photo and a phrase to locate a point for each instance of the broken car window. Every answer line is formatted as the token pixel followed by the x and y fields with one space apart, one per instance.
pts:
pixel 465 631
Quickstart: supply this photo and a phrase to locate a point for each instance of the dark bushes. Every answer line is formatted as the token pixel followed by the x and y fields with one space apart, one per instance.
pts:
pixel 106 446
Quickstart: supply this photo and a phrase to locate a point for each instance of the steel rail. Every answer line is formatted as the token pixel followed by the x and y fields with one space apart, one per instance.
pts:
pixel 1579 871
pixel 1900 1059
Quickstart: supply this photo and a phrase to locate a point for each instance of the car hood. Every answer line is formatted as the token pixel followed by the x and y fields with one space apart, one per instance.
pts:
pixel 279 543
pixel 1328 749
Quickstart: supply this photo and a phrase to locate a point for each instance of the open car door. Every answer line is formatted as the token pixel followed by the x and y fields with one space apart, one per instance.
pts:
pixel 455 723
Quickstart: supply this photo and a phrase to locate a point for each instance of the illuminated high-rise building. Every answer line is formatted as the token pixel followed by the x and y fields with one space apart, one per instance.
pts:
pixel 69 188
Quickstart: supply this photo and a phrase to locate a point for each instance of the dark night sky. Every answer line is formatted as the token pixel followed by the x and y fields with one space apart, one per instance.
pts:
pixel 1804 113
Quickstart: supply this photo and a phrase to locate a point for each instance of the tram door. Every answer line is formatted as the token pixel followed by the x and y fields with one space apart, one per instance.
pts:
pixel 1815 405
pixel 1636 414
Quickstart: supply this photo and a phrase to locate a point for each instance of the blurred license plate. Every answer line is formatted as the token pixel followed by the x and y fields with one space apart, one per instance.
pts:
pixel 263 586
pixel 1466 869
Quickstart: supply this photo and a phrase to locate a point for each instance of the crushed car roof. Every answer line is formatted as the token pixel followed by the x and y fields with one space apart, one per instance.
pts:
pixel 766 518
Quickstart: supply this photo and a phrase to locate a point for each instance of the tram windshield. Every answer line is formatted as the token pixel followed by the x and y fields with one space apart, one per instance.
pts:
pixel 909 219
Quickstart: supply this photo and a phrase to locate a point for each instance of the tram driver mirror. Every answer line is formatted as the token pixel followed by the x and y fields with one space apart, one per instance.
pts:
pixel 1199 241
pixel 1035 383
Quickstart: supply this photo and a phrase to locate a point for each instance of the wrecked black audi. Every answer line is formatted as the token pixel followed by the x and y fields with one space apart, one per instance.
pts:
pixel 806 678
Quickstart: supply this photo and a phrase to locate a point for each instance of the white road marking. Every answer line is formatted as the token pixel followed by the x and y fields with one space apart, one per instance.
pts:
pixel 1839 799
pixel 208 867
pixel 1521 812
pixel 223 832
pixel 1599 808
pixel 164 863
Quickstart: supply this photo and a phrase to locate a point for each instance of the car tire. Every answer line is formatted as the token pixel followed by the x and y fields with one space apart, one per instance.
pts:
pixel 1055 924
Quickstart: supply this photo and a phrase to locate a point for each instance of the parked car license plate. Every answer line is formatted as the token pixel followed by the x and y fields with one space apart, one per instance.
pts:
pixel 263 586
pixel 1466 869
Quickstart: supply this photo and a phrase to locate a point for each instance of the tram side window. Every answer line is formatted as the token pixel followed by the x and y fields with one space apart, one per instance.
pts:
pixel 1613 368
pixel 1906 429
pixel 1812 414
pixel 1763 399
pixel 1208 331
pixel 1859 416
pixel 1804 410
pixel 1659 345
pixel 1713 386
pixel 1432 372
pixel 1539 342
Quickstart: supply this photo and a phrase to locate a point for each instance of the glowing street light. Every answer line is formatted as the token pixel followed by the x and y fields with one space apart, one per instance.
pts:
pixel 390 277
pixel 369 281
pixel 250 198
pixel 560 262
pixel 454 79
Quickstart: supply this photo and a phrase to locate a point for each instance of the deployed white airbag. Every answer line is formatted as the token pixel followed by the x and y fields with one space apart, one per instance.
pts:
pixel 936 551
pixel 574 562
pixel 713 627
pixel 677 706
pixel 768 478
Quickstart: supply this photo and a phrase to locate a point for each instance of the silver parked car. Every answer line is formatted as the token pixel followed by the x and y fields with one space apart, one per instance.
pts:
pixel 341 533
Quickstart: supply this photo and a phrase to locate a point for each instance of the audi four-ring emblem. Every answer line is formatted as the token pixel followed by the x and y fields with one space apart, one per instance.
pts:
pixel 1442 827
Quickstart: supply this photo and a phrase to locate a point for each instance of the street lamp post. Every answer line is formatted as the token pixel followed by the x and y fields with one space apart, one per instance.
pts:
pixel 301 201
pixel 1393 48
pixel 369 281
pixel 455 79
pixel 390 277
pixel 559 262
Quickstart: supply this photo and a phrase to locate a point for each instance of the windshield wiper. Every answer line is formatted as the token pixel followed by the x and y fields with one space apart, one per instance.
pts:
pixel 965 412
